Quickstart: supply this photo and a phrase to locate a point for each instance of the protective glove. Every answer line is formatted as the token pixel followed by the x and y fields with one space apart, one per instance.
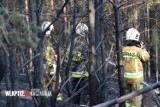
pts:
pixel 142 45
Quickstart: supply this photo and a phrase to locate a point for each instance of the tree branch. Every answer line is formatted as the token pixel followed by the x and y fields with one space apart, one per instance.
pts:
pixel 28 62
pixel 58 15
pixel 128 96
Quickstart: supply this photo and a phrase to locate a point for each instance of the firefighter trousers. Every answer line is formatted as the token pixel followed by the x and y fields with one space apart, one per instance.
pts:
pixel 81 97
pixel 136 101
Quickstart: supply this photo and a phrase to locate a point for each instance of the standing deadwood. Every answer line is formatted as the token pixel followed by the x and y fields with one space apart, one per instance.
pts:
pixel 56 90
pixel 7 76
pixel 157 48
pixel 155 34
pixel 1 2
pixel 65 24
pixel 128 96
pixel 14 74
pixel 97 38
pixel 119 49
pixel 38 65
pixel 103 51
pixel 147 42
pixel 2 63
pixel 30 52
pixel 49 6
pixel 156 41
pixel 100 49
pixel 31 19
pixel 26 9
pixel 20 5
pixel 93 82
pixel 152 23
pixel 72 45
pixel 132 13
pixel 21 9
pixel 136 12
pixel 31 10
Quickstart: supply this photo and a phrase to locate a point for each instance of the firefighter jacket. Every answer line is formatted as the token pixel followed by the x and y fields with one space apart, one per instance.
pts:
pixel 79 56
pixel 132 63
pixel 50 59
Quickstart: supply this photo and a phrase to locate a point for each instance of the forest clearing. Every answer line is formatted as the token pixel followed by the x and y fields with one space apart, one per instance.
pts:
pixel 79 53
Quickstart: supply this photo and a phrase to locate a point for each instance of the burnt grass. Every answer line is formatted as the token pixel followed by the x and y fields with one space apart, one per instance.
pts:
pixel 149 99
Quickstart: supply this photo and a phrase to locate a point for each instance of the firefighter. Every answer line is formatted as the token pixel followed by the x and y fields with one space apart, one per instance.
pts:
pixel 134 54
pixel 50 59
pixel 78 72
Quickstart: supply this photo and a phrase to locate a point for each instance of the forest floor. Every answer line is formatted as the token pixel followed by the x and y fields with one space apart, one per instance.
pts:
pixel 25 101
pixel 28 101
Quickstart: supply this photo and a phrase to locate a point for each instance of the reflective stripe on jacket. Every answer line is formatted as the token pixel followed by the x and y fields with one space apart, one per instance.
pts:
pixel 132 63
pixel 133 74
pixel 79 74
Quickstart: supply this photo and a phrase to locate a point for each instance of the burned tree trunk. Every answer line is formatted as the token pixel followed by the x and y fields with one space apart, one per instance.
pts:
pixel 31 10
pixel 93 82
pixel 100 48
pixel 38 64
pixel 153 58
pixel 118 48
pixel 14 74
pixel 2 63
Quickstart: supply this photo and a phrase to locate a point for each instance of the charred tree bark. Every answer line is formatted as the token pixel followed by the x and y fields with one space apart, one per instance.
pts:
pixel 1 3
pixel 20 5
pixel 152 23
pixel 2 64
pixel 31 10
pixel 98 39
pixel 119 49
pixel 103 50
pixel 156 44
pixel 56 89
pixel 93 82
pixel 38 65
pixel 147 41
pixel 65 27
pixel 99 44
pixel 7 76
pixel 72 45
pixel 14 74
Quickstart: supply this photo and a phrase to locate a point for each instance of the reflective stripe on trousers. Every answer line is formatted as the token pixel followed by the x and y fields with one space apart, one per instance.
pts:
pixel 136 101
pixel 79 75
pixel 129 105
pixel 59 98
pixel 133 74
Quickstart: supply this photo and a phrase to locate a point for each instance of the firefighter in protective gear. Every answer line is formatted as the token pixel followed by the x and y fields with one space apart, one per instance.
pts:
pixel 50 59
pixel 78 72
pixel 134 54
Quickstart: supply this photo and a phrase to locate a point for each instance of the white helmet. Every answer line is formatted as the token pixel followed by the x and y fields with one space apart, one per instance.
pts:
pixel 81 29
pixel 132 34
pixel 45 24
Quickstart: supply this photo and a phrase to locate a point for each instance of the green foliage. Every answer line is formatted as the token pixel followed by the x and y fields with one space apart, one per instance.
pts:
pixel 3 11
pixel 2 21
pixel 17 19
pixel 33 27
pixel 17 29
